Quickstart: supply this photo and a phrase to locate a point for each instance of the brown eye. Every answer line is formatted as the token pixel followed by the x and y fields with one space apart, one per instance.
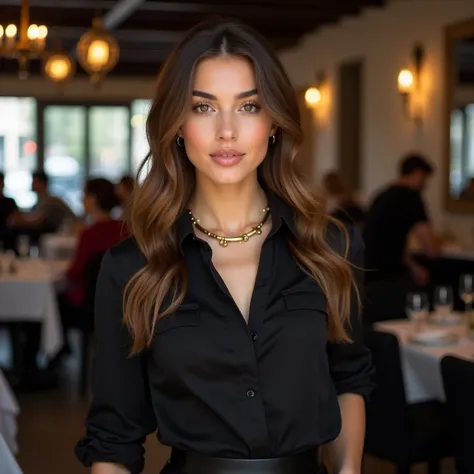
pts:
pixel 250 108
pixel 202 108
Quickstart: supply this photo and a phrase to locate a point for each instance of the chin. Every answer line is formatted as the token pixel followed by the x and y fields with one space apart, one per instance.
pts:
pixel 230 176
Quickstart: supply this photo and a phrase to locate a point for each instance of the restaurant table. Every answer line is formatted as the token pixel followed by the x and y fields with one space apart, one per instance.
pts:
pixel 8 464
pixel 29 294
pixel 421 364
pixel 9 410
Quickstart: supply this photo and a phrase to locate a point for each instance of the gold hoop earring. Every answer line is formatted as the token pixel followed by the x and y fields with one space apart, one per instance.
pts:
pixel 180 144
pixel 272 140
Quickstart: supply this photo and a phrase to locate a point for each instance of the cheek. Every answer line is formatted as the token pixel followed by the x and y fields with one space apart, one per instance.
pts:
pixel 196 134
pixel 256 134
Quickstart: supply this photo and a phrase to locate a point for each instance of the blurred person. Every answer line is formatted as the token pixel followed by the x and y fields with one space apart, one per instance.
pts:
pixel 340 204
pixel 124 190
pixel 395 213
pixel 229 322
pixel 103 232
pixel 8 209
pixel 49 212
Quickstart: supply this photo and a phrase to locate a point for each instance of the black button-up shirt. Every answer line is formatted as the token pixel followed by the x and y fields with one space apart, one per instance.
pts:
pixel 212 383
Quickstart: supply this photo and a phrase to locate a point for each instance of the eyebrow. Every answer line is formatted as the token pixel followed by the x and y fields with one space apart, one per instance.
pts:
pixel 242 95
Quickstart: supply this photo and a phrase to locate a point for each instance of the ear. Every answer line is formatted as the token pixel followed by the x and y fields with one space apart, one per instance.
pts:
pixel 273 130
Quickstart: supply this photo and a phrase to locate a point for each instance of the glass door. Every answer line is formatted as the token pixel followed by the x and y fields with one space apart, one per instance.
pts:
pixel 65 143
pixel 109 141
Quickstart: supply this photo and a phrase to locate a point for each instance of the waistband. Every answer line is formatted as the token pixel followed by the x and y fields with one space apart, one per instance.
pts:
pixel 189 462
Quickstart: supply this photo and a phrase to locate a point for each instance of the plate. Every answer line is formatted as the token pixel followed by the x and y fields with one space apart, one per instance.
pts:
pixel 452 319
pixel 434 338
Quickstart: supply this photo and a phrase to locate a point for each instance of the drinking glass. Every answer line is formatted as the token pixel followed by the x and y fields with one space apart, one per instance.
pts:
pixel 466 293
pixel 443 303
pixel 23 245
pixel 417 308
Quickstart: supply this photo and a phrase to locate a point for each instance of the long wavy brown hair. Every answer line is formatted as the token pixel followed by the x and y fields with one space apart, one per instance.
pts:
pixel 166 183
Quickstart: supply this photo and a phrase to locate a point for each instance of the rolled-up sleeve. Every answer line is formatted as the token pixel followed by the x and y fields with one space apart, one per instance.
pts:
pixel 121 414
pixel 350 364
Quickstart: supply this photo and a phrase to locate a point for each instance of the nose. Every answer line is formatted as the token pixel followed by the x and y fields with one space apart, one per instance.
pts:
pixel 227 126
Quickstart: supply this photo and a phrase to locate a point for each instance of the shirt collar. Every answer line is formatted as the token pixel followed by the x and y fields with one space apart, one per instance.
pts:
pixel 280 212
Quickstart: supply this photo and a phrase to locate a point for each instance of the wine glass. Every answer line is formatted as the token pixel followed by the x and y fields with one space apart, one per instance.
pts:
pixel 466 293
pixel 417 308
pixel 23 245
pixel 443 303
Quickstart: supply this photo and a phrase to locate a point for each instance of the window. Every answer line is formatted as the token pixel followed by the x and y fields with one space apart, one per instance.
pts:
pixel 457 138
pixel 109 132
pixel 2 152
pixel 64 152
pixel 18 147
pixel 140 148
pixel 462 149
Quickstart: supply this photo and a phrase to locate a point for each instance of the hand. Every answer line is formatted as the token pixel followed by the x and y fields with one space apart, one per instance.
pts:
pixel 420 275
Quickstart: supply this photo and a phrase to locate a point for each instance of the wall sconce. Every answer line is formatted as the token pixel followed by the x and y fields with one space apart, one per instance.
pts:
pixel 409 81
pixel 313 94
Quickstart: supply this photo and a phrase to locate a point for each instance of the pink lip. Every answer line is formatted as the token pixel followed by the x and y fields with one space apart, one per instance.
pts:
pixel 227 157
pixel 222 152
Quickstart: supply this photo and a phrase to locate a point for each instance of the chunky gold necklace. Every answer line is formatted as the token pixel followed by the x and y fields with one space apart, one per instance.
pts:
pixel 224 241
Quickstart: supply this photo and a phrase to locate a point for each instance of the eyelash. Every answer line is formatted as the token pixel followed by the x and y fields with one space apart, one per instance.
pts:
pixel 201 104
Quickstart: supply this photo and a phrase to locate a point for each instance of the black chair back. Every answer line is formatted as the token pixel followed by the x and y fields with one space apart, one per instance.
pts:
pixel 458 379
pixel 387 420
pixel 92 274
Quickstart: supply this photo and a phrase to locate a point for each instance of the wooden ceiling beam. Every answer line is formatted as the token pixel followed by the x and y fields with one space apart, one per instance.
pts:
pixel 69 4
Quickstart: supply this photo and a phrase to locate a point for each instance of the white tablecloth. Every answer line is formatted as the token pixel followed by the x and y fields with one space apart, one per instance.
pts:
pixel 8 412
pixel 29 295
pixel 8 464
pixel 421 364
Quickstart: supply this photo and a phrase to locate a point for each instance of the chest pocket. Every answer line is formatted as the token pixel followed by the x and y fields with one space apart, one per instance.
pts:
pixel 305 298
pixel 187 315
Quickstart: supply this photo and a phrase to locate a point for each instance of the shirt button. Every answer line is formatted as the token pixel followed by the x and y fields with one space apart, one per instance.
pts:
pixel 250 394
pixel 254 336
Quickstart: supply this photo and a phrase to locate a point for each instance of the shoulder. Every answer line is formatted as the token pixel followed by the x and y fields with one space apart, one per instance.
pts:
pixel 346 241
pixel 123 260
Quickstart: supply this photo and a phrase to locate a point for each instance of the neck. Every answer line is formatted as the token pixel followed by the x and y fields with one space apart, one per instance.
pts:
pixel 228 209
pixel 406 182
pixel 100 216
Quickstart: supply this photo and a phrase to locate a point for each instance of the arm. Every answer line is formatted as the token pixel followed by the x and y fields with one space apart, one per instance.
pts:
pixel 425 235
pixel 108 468
pixel 351 371
pixel 121 413
pixel 26 219
pixel 346 450
pixel 421 227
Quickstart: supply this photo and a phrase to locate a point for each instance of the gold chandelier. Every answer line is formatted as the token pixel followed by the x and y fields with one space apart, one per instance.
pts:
pixel 97 51
pixel 23 43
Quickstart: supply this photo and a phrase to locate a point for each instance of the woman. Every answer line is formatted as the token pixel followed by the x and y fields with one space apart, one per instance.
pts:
pixel 104 232
pixel 124 190
pixel 237 354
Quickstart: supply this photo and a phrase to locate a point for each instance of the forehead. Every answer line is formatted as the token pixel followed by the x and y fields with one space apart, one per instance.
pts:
pixel 224 74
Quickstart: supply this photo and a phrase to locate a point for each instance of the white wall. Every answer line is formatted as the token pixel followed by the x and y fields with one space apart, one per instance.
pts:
pixel 384 39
